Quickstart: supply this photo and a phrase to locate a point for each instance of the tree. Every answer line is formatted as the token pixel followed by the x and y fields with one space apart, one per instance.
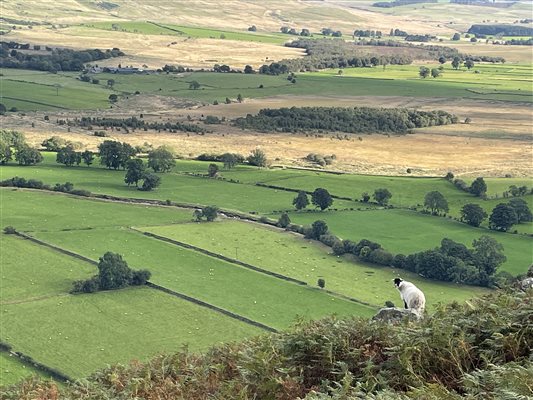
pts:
pixel 521 209
pixel 161 159
pixel 365 197
pixel 305 32
pixel 284 220
pixel 321 198
pixel 433 264
pixel 382 196
pixel 455 249
pixel 111 83
pixel 194 85
pixel 442 60
pixel 150 181
pixel 113 98
pixel 3 109
pixel 469 64
pixel 252 28
pixel 502 218
pixel 456 62
pixel 114 154
pixel 449 176
pixel 321 283
pixel 257 158
pixel 68 156
pixel 210 213
pixel 229 160
pixel 54 143
pixel 423 72
pixel 487 257
pixel 134 171
pixel 478 187
pixel 456 36
pixel 212 170
pixel 436 202
pixel 113 272
pixel 6 153
pixel 473 214
pixel 301 200
pixel 27 155
pixel 319 228
pixel 435 73
pixel 87 157
pixel 248 69
pixel 239 98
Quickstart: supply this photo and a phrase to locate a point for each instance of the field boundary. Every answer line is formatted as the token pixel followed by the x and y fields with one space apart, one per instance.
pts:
pixel 25 359
pixel 221 257
pixel 250 266
pixel 158 287
pixel 211 307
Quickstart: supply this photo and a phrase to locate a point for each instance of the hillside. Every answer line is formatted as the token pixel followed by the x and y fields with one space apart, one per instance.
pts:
pixel 479 350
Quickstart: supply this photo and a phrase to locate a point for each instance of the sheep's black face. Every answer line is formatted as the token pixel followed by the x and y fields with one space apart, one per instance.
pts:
pixel 397 282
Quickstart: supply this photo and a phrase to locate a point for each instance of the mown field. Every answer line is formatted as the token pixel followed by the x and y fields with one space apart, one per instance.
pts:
pixel 306 260
pixel 493 82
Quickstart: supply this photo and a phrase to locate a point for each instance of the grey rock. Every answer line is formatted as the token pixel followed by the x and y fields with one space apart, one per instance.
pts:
pixel 394 315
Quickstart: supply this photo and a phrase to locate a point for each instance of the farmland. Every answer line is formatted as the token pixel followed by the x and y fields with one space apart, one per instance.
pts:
pixel 504 83
pixel 303 260
pixel 199 278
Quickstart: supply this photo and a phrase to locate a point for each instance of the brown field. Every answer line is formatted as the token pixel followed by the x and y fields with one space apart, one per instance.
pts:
pixel 510 53
pixel 497 142
pixel 157 50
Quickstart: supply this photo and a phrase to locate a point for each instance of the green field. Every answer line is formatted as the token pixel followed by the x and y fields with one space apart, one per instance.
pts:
pixel 174 186
pixel 307 260
pixel 406 232
pixel 13 371
pixel 82 333
pixel 240 290
pixel 33 90
pixel 149 28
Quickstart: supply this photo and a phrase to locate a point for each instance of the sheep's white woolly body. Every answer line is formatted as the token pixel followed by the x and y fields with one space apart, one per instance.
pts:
pixel 412 296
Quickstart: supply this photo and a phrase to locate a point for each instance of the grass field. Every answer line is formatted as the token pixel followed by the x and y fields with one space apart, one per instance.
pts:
pixel 13 371
pixel 240 290
pixel 494 82
pixel 176 187
pixel 82 333
pixel 406 232
pixel 150 28
pixel 38 210
pixel 306 260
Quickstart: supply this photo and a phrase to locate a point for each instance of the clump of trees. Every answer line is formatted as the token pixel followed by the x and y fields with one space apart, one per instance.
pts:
pixel 504 216
pixel 134 123
pixel 113 273
pixel 351 120
pixel 209 213
pixel 56 60
pixel 115 155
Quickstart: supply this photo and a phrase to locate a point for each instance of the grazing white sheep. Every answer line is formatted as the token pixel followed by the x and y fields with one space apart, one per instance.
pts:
pixel 412 297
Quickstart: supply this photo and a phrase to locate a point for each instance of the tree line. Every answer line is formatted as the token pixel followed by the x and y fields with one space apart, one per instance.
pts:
pixel 351 120
pixel 501 29
pixel 134 123
pixel 16 55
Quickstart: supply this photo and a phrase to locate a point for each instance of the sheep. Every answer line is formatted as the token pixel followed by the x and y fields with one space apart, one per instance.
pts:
pixel 412 297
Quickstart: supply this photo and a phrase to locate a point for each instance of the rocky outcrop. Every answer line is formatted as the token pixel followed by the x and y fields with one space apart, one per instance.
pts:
pixel 395 315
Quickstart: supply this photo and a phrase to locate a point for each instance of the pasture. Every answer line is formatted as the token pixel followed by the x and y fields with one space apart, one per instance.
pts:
pixel 493 82
pixel 13 371
pixel 79 334
pixel 306 260
pixel 406 232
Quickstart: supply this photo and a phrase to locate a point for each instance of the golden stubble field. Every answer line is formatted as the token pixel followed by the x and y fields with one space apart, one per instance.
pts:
pixel 497 142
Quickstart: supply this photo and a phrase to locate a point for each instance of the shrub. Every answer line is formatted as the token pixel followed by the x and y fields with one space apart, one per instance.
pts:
pixel 328 239
pixel 9 230
pixel 380 257
pixel 284 220
pixel 338 248
pixel 140 277
pixel 321 283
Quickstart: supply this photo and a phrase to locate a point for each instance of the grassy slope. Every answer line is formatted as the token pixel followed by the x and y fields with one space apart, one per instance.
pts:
pixel 13 371
pixel 37 210
pixel 506 83
pixel 231 287
pixel 305 260
pixel 401 231
pixel 46 274
pixel 81 333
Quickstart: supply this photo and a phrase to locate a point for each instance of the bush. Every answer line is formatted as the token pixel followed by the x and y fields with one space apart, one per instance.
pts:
pixel 140 277
pixel 321 283
pixel 338 248
pixel 328 239
pixel 381 257
pixel 9 230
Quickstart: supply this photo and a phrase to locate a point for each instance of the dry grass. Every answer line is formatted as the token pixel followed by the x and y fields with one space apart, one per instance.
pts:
pixel 157 50
pixel 497 142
